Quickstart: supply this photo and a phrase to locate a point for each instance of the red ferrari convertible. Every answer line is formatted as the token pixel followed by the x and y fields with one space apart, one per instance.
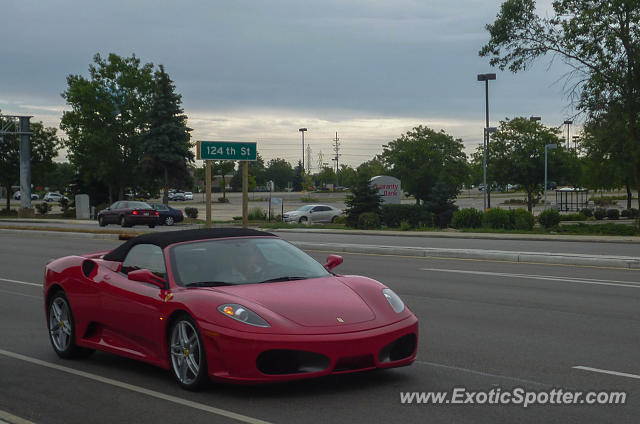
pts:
pixel 228 305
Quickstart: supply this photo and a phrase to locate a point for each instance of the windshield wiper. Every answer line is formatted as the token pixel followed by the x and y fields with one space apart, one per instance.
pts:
pixel 283 278
pixel 209 284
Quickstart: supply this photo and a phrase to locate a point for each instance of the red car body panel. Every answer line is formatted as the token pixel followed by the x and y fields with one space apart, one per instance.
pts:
pixel 343 318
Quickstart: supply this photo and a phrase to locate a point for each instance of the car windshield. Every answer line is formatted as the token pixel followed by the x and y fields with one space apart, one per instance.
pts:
pixel 139 205
pixel 304 208
pixel 241 261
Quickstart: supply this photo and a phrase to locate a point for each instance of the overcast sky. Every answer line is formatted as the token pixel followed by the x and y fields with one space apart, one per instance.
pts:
pixel 252 70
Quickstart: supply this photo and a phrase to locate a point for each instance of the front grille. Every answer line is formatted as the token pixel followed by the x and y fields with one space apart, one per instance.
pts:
pixel 283 361
pixel 352 363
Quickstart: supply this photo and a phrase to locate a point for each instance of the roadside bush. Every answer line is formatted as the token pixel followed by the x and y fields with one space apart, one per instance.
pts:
pixel 467 218
pixel 573 217
pixel 613 214
pixel 405 226
pixel 415 215
pixel 43 208
pixel 369 221
pixel 609 229
pixel 630 213
pixel 191 212
pixel 237 218
pixel 11 212
pixel 599 214
pixel 549 218
pixel 257 214
pixel 340 219
pixel 497 219
pixel 69 213
pixel 521 219
pixel 64 205
pixel 586 212
pixel 223 200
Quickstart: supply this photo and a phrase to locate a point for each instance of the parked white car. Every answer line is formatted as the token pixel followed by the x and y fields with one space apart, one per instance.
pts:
pixel 54 196
pixel 34 196
pixel 313 213
pixel 188 195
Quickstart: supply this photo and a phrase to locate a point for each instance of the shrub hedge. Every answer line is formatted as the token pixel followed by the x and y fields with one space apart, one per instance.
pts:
pixel 549 218
pixel 369 221
pixel 467 218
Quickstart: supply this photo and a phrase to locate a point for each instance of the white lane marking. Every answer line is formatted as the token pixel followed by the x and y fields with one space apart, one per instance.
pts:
pixel 21 294
pixel 542 277
pixel 7 417
pixel 617 373
pixel 137 389
pixel 20 282
pixel 482 373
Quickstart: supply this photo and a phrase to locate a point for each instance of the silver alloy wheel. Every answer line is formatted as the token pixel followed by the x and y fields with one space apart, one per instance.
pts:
pixel 303 219
pixel 186 355
pixel 168 220
pixel 60 324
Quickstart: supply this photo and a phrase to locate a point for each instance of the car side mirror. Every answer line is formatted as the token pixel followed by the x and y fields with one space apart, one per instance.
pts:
pixel 146 276
pixel 333 261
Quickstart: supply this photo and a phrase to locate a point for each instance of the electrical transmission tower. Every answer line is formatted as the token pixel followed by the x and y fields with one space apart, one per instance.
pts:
pixel 308 158
pixel 320 161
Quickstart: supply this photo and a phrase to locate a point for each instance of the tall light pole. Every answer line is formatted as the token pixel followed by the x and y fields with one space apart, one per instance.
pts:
pixel 487 131
pixel 486 78
pixel 302 130
pixel 568 124
pixel 575 143
pixel 546 150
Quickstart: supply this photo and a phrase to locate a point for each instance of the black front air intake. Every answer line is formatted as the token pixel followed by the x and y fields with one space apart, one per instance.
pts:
pixel 399 349
pixel 283 361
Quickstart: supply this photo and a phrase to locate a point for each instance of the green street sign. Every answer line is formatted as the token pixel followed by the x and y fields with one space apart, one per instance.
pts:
pixel 226 150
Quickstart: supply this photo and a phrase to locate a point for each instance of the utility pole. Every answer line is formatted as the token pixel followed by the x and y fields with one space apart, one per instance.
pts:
pixel 336 148
pixel 308 158
pixel 302 130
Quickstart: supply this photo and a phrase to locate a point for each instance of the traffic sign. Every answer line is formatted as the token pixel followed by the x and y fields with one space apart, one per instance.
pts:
pixel 226 150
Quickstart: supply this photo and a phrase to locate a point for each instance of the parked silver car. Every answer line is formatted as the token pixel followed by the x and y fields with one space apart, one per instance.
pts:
pixel 313 213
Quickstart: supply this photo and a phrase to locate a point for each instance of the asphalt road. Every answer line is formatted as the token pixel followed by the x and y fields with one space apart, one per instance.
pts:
pixel 484 325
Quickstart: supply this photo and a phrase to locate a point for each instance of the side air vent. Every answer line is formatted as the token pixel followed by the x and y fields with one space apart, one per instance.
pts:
pixel 88 266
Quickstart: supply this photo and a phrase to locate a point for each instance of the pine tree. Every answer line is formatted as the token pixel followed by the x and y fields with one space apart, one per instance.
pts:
pixel 166 146
pixel 363 198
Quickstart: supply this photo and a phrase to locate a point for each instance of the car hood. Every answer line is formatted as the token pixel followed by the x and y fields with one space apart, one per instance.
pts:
pixel 317 302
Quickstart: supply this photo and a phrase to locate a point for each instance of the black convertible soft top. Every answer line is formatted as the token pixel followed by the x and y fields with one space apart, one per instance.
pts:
pixel 165 238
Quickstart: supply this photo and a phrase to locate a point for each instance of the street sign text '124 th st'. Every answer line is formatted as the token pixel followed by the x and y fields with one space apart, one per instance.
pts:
pixel 226 150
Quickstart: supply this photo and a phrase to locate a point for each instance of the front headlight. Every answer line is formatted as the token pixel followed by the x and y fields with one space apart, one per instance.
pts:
pixel 242 314
pixel 394 300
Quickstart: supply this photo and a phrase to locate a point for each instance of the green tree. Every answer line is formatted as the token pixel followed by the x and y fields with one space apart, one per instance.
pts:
pixel 326 176
pixel 516 156
pixel 44 147
pixel 256 171
pixel 347 176
pixel 372 168
pixel 362 198
pixel 598 39
pixel 422 157
pixel 61 176
pixel 165 148
pixel 222 168
pixel 298 177
pixel 107 121
pixel 280 172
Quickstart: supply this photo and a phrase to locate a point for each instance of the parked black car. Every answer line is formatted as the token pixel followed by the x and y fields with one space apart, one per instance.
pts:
pixel 129 213
pixel 168 215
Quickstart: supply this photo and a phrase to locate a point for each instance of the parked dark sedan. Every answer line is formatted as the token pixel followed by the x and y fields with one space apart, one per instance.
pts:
pixel 129 213
pixel 168 215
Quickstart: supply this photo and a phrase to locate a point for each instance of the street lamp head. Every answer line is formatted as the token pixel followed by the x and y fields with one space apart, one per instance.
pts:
pixel 486 77
pixel 535 118
pixel 567 122
pixel 302 129
pixel 490 130
pixel 551 146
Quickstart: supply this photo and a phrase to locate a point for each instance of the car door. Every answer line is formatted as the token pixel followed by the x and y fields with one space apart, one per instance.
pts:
pixel 320 214
pixel 132 309
pixel 111 216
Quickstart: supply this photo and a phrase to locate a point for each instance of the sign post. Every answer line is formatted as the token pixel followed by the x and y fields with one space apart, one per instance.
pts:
pixel 228 150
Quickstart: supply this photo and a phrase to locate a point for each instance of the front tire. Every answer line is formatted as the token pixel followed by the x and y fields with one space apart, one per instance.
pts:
pixel 303 220
pixel 62 329
pixel 186 354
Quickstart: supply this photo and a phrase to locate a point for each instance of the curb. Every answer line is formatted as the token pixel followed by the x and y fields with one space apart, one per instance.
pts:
pixel 627 262
pixel 462 235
